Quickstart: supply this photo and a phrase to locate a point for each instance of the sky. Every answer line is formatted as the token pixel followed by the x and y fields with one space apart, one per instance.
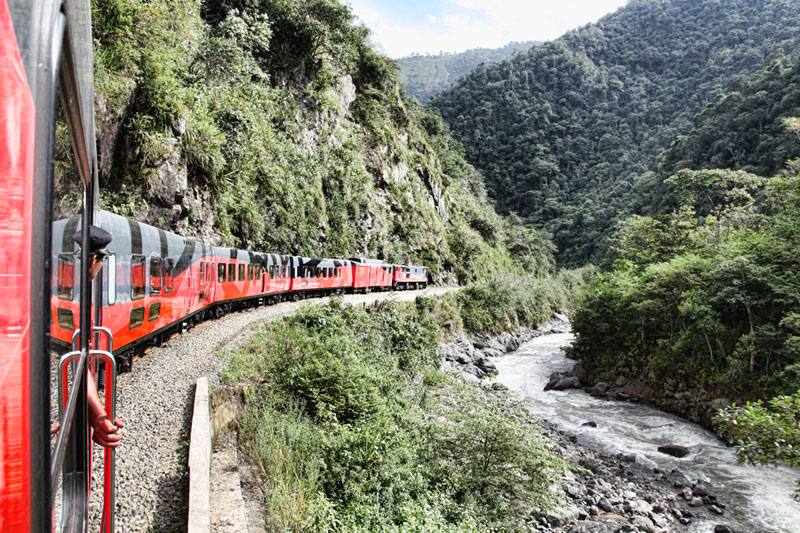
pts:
pixel 406 27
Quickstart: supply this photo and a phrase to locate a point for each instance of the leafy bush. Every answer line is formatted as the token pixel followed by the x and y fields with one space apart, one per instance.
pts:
pixel 765 435
pixel 354 427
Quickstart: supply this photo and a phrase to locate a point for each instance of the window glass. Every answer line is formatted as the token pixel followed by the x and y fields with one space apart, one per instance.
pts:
pixel 209 270
pixel 155 312
pixel 137 277
pixel 220 272
pixel 231 272
pixel 66 276
pixel 65 319
pixel 111 268
pixel 202 273
pixel 241 272
pixel 137 315
pixel 169 274
pixel 251 272
pixel 155 275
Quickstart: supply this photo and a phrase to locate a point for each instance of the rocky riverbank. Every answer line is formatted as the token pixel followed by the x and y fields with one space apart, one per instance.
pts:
pixel 606 493
pixel 666 393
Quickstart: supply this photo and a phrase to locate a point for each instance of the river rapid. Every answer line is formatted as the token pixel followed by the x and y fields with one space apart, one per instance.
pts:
pixel 758 499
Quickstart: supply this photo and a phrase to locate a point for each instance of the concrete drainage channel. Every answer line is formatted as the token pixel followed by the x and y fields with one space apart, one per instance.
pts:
pixel 216 476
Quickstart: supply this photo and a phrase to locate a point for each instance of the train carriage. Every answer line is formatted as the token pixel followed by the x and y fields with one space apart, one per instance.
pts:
pixel 152 281
pixel 315 276
pixel 406 277
pixel 371 274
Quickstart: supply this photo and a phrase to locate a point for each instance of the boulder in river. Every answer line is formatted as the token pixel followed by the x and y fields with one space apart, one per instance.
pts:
pixel 600 389
pixel 563 383
pixel 486 365
pixel 674 450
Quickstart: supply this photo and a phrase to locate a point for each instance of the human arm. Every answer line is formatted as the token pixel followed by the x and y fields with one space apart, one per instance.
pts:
pixel 105 433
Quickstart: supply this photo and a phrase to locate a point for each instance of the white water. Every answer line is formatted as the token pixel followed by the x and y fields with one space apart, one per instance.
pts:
pixel 758 499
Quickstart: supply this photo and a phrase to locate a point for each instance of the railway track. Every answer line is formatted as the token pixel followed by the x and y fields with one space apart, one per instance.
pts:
pixel 155 403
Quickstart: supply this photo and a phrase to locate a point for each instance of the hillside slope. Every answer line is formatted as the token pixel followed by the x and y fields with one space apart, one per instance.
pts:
pixel 274 126
pixel 564 133
pixel 426 76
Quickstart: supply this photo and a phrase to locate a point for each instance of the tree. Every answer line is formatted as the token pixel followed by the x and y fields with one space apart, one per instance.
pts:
pixel 765 435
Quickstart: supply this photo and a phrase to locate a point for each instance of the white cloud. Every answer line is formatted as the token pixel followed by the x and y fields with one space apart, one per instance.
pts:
pixel 479 23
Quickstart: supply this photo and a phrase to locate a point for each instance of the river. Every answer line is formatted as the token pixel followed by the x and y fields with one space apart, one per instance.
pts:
pixel 758 499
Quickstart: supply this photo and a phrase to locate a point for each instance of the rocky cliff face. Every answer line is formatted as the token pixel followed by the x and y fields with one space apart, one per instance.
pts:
pixel 258 129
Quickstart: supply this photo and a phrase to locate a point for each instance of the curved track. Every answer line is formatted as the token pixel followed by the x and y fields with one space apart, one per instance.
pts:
pixel 155 403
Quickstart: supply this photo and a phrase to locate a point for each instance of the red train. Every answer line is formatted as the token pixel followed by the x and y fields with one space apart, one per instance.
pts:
pixel 152 283
pixel 155 282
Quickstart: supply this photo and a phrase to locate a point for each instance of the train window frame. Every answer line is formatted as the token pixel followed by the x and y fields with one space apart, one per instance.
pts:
pixel 231 272
pixel 202 273
pixel 111 277
pixel 65 292
pixel 169 274
pixel 209 271
pixel 138 291
pixel 156 261
pixel 242 269
pixel 221 272
pixel 251 272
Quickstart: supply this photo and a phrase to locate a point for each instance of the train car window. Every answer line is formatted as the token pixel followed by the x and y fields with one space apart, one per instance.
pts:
pixel 111 268
pixel 155 312
pixel 137 277
pixel 137 317
pixel 209 270
pixel 155 275
pixel 220 272
pixel 251 269
pixel 241 272
pixel 231 272
pixel 66 276
pixel 202 273
pixel 169 275
pixel 65 319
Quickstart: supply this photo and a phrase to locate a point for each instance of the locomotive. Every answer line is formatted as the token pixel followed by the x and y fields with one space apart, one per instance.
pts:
pixel 155 282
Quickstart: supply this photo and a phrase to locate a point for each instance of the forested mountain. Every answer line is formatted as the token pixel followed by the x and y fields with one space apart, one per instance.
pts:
pixel 745 128
pixel 565 132
pixel 274 126
pixel 427 75
pixel 704 294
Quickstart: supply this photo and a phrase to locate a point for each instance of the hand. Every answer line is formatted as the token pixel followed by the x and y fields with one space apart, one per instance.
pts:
pixel 55 427
pixel 105 433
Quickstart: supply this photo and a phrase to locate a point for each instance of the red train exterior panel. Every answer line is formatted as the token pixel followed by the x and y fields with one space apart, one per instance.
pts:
pixel 17 117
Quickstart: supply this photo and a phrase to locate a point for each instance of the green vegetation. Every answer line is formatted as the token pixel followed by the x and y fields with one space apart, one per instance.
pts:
pixel 713 300
pixel 354 428
pixel 428 75
pixel 765 435
pixel 569 135
pixel 273 125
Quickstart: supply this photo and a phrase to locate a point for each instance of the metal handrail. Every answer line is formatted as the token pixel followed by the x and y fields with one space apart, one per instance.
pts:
pixel 68 413
pixel 95 330
pixel 109 455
